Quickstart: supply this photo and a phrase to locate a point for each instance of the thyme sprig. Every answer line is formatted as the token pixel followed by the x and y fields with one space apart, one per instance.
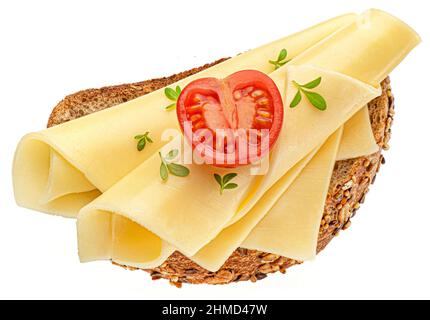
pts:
pixel 314 98
pixel 142 139
pixel 224 182
pixel 172 95
pixel 167 166
pixel 280 61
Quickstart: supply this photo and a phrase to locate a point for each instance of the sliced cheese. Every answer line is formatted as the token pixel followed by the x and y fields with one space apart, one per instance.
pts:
pixel 167 204
pixel 130 241
pixel 33 183
pixel 292 225
pixel 64 179
pixel 162 209
pixel 109 236
pixel 358 139
pixel 377 42
pixel 215 253
pixel 307 126
pixel 100 146
pixel 364 51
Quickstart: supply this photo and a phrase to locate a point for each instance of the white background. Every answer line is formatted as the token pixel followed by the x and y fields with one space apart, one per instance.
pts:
pixel 52 48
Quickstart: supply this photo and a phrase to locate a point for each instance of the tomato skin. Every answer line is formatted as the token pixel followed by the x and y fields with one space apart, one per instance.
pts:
pixel 245 100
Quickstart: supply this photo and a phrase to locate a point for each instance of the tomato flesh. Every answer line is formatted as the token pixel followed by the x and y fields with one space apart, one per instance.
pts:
pixel 243 109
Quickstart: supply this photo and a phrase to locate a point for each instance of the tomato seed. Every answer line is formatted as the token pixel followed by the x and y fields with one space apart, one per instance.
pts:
pixel 264 114
pixel 194 109
pixel 237 95
pixel 263 101
pixel 249 89
pixel 197 98
pixel 195 117
pixel 257 93
pixel 263 122
pixel 199 125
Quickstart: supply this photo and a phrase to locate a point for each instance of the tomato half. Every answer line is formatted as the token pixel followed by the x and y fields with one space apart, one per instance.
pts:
pixel 224 117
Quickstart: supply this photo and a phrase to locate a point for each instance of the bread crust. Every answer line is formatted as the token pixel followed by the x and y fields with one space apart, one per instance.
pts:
pixel 349 183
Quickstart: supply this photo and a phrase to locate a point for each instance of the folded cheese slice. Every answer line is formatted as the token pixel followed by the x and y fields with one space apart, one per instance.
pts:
pixel 96 151
pixel 357 139
pixel 380 39
pixel 292 225
pixel 309 127
pixel 64 179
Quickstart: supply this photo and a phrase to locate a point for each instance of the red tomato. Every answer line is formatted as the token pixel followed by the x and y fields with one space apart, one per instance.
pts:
pixel 232 121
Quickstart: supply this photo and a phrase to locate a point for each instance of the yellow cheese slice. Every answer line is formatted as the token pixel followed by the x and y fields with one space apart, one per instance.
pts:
pixel 64 179
pixel 357 139
pixel 131 241
pixel 110 236
pixel 101 148
pixel 291 226
pixel 33 183
pixel 380 39
pixel 344 103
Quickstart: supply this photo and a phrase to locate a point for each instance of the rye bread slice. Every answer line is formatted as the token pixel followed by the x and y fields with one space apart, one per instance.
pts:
pixel 349 183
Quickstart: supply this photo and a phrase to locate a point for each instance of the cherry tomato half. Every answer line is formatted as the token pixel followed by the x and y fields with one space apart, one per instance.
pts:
pixel 232 121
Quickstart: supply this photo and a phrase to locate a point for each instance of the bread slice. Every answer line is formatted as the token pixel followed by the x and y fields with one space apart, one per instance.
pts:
pixel 349 183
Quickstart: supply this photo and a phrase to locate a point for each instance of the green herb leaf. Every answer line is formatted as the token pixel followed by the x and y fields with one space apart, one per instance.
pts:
pixel 316 100
pixel 231 186
pixel 228 177
pixel 142 140
pixel 282 54
pixel 218 179
pixel 163 171
pixel 141 144
pixel 172 154
pixel 173 168
pixel 280 61
pixel 171 94
pixel 296 100
pixel 178 170
pixel 313 84
pixel 170 106
pixel 161 157
pixel 224 181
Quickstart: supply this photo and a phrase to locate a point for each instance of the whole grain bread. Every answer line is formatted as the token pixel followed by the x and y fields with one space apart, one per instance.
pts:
pixel 349 183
